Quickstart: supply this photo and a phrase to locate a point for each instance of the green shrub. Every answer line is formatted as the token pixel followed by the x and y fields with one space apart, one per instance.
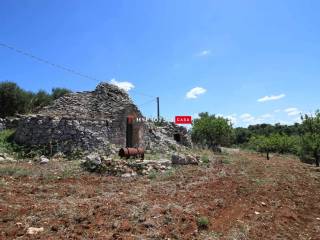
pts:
pixel 205 159
pixel 203 222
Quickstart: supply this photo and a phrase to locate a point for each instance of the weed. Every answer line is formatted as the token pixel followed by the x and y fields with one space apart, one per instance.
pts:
pixel 205 159
pixel 152 175
pixel 259 181
pixel 203 222
pixel 226 161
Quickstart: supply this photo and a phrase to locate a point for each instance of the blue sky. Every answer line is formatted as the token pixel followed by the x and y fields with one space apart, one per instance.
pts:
pixel 251 61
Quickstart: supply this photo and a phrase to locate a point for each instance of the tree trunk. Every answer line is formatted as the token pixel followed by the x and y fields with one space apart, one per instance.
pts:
pixel 268 158
pixel 317 160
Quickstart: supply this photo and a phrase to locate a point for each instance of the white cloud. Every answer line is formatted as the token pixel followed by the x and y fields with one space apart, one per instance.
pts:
pixel 233 118
pixel 292 111
pixel 127 86
pixel 195 92
pixel 271 98
pixel 247 117
pixel 204 53
pixel 267 115
pixel 195 115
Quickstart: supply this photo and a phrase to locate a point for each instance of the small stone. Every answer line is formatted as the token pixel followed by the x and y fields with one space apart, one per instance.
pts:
pixel 263 204
pixel 148 224
pixel 44 160
pixel 219 202
pixel 33 230
pixel 256 213
pixel 126 175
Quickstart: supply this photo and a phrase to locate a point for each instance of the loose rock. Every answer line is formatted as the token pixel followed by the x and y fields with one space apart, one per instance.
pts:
pixel 34 230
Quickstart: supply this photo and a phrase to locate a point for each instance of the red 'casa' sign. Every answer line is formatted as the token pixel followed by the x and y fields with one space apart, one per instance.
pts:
pixel 183 119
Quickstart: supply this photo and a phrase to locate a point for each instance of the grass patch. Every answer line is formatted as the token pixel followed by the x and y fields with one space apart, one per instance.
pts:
pixel 7 145
pixel 15 172
pixel 226 161
pixel 203 222
pixel 205 159
pixel 153 175
pixel 259 181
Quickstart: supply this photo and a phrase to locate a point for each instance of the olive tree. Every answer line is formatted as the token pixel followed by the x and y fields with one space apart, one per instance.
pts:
pixel 310 138
pixel 263 144
pixel 13 99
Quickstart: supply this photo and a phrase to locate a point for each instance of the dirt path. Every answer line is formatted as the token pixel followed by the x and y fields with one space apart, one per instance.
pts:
pixel 244 197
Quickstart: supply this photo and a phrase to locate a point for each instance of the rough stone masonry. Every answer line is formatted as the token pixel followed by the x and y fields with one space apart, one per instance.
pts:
pixel 96 121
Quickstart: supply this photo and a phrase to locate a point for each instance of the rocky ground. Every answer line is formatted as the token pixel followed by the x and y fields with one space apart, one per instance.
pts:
pixel 238 195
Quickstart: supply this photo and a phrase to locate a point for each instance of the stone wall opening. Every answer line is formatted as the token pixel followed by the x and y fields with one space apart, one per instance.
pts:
pixel 177 137
pixel 129 132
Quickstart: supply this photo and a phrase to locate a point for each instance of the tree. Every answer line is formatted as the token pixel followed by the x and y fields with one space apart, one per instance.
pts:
pixel 212 131
pixel 310 138
pixel 263 144
pixel 13 99
pixel 59 92
pixel 277 143
pixel 40 99
pixel 242 135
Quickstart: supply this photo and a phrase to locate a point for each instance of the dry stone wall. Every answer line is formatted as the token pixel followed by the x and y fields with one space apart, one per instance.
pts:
pixel 86 121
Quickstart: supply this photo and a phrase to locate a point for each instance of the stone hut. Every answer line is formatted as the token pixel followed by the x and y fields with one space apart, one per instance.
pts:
pixel 84 121
pixel 102 120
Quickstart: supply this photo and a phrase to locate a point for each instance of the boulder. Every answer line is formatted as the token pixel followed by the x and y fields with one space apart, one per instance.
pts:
pixel 184 160
pixel 176 159
pixel 93 158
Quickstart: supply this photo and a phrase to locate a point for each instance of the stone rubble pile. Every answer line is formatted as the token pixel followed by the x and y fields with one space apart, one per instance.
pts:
pixel 133 167
pixel 161 138
pixel 9 123
pixel 5 158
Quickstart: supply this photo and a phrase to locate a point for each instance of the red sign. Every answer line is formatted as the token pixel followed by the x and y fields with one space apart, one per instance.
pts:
pixel 183 120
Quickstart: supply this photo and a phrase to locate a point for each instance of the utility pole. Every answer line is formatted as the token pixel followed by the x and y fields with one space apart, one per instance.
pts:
pixel 158 109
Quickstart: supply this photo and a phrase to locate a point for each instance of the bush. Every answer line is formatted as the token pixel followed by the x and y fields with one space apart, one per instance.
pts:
pixel 212 131
pixel 59 92
pixel 205 159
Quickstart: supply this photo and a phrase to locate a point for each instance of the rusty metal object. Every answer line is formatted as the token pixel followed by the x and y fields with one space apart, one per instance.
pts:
pixel 131 152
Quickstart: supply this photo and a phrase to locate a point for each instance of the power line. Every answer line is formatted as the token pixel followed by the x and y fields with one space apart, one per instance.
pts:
pixel 145 103
pixel 42 60
pixel 61 67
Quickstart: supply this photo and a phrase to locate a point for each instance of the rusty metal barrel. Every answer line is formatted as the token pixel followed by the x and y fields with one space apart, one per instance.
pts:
pixel 131 152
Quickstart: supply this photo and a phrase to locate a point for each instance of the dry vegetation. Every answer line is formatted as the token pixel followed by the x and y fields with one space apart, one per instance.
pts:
pixel 236 196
